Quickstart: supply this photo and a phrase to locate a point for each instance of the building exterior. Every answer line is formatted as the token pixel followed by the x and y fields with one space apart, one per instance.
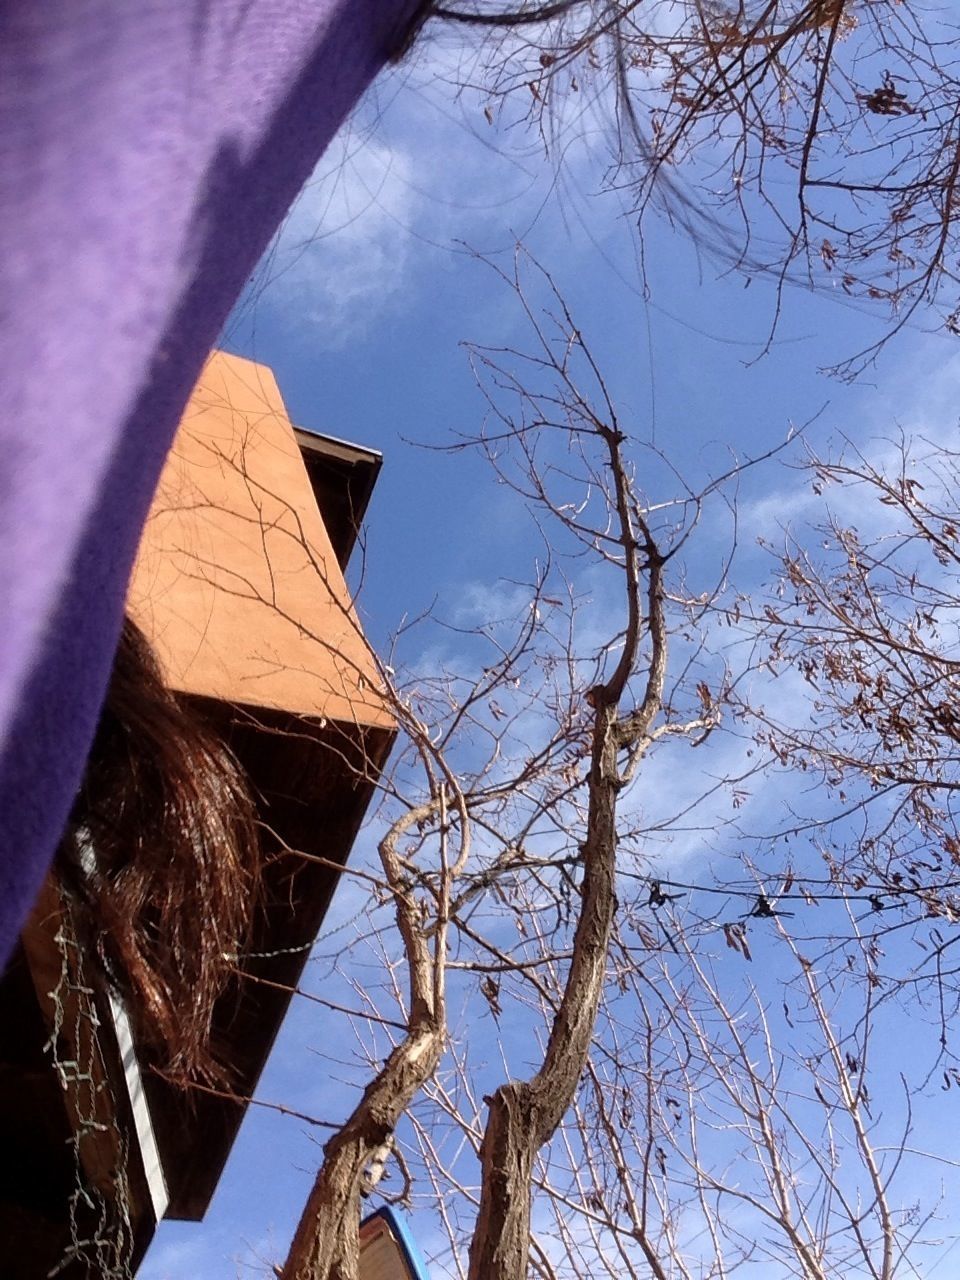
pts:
pixel 239 589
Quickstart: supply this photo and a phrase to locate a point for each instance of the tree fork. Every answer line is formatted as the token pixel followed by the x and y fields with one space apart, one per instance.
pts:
pixel 327 1243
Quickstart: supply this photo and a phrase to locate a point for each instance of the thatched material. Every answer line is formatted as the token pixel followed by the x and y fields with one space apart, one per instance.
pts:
pixel 168 881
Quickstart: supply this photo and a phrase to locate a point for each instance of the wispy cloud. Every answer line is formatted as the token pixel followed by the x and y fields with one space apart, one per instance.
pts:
pixel 344 246
pixel 918 410
pixel 420 173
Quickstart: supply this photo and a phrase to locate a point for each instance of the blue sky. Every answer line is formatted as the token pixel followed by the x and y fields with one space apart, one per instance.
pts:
pixel 360 309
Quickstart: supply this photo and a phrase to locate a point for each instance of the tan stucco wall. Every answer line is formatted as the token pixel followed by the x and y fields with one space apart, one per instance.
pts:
pixel 236 584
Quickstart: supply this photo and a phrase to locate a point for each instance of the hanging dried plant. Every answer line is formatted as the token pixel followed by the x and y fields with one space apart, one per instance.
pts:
pixel 162 860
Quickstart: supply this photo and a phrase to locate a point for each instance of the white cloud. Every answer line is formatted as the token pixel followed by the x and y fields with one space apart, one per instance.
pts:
pixel 917 410
pixel 344 246
pixel 422 171
pixel 195 1255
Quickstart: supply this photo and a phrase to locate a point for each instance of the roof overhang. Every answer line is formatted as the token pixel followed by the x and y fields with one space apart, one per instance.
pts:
pixel 342 476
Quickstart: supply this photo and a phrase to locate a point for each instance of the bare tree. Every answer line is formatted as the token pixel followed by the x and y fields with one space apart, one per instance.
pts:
pixel 623 725
pixel 814 140
pixel 864 609
pixel 548 822
pixel 634 1107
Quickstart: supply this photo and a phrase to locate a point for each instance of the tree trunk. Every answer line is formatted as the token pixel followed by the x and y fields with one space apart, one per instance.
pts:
pixel 327 1245
pixel 501 1241
pixel 524 1115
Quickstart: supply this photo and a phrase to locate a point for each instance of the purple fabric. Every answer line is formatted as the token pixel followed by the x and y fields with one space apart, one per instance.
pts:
pixel 148 151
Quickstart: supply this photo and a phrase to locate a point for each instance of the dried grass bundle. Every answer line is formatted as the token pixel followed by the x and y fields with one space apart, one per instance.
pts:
pixel 163 859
